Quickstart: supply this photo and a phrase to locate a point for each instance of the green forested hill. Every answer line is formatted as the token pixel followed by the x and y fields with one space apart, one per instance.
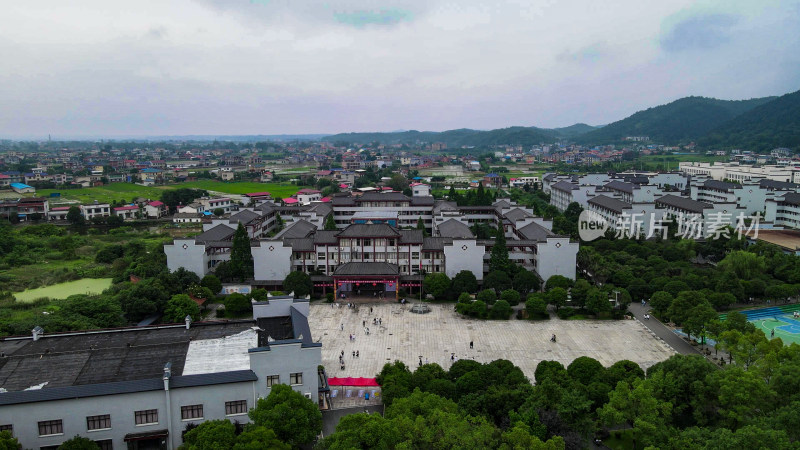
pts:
pixel 455 138
pixel 682 120
pixel 466 137
pixel 774 124
pixel 574 130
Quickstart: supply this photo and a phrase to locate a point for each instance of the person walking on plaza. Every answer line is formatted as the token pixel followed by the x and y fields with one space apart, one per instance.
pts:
pixel 470 345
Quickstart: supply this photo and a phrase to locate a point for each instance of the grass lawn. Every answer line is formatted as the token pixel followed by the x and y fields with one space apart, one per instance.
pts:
pixel 64 290
pixel 128 191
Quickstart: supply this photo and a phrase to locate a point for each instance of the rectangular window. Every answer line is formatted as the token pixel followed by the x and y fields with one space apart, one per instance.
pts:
pixel 296 378
pixel 367 241
pixel 272 380
pixel 236 407
pixel 50 427
pixel 105 444
pixel 101 422
pixel 8 427
pixel 191 412
pixel 146 417
pixel 320 255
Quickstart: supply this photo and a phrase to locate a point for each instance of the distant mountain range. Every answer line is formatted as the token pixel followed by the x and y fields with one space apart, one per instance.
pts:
pixel 755 124
pixel 468 137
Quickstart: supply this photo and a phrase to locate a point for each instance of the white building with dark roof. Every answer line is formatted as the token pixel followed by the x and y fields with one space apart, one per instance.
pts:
pixel 140 387
pixel 379 228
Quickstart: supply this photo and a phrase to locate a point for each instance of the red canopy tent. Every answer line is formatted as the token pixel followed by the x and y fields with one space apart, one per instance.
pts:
pixel 350 381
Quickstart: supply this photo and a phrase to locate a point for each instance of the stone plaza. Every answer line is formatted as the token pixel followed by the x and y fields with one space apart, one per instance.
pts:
pixel 441 336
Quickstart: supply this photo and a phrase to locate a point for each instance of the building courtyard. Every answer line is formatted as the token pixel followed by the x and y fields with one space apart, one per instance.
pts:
pixel 442 336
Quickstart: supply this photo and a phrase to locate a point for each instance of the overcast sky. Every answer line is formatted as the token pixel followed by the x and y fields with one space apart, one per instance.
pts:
pixel 140 67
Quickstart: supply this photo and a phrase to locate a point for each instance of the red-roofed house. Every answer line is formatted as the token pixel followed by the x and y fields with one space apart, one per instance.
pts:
pixel 127 212
pixel 58 213
pixel 306 196
pixel 256 197
pixel 290 201
pixel 154 210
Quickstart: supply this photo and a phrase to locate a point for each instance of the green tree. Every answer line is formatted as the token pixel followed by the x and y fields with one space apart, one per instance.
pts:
pixel 438 285
pixel 497 280
pixel 487 296
pixel 180 306
pixel 465 281
pixel 241 255
pixel 511 296
pixel 398 182
pixel 218 212
pixel 115 221
pixel 586 370
pixel 500 310
pixel 78 443
pixel 9 442
pixel 678 311
pixel 623 370
pixel 210 435
pixel 257 438
pixel 636 406
pixel 421 226
pixel 557 281
pixel 743 264
pixel 75 216
pixel 237 304
pixel 299 283
pixel 525 281
pixel 330 224
pixel 498 259
pixel 660 301
pixel 295 419
pixel 211 282
pixel 536 306
pixel 696 320
pixel 597 302
pixel 579 292
pixel 557 297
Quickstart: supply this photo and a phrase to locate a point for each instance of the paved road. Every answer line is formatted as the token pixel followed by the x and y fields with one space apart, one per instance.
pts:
pixel 662 331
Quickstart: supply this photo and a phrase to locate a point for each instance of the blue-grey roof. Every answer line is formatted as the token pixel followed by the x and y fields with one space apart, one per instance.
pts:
pixel 124 387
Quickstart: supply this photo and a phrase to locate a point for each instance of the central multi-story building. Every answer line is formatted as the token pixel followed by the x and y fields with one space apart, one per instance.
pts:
pixel 377 245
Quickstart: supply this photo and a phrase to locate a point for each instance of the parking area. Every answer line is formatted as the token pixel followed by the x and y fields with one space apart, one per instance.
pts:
pixel 442 336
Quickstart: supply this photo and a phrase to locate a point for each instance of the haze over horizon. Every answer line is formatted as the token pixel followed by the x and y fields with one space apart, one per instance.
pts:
pixel 215 67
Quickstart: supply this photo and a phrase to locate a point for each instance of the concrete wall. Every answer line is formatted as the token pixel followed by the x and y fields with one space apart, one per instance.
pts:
pixel 464 254
pixel 284 359
pixel 73 413
pixel 192 258
pixel 556 257
pixel 271 260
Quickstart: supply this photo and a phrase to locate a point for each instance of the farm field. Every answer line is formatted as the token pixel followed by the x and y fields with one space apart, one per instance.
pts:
pixel 64 290
pixel 129 191
pixel 103 194
pixel 240 187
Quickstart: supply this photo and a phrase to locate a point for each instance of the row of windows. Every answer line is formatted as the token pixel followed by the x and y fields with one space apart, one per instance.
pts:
pixel 294 378
pixel 143 417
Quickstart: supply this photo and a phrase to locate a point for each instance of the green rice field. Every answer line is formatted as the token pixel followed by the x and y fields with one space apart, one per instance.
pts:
pixel 64 290
pixel 129 191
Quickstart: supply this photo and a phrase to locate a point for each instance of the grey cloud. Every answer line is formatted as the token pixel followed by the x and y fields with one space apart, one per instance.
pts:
pixel 700 32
